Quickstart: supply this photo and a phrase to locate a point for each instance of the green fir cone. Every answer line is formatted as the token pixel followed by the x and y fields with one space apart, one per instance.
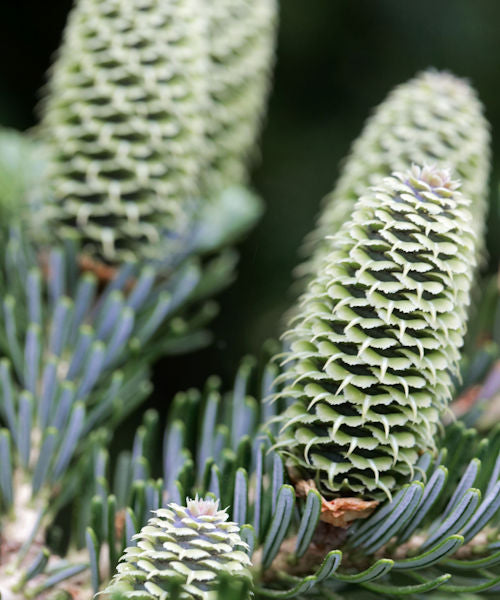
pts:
pixel 374 348
pixel 194 544
pixel 124 120
pixel 242 38
pixel 435 118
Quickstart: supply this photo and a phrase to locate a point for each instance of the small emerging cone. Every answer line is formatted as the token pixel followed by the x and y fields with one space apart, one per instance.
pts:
pixel 377 337
pixel 435 118
pixel 193 544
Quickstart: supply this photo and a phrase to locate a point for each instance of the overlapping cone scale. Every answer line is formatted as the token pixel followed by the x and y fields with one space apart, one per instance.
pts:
pixel 435 118
pixel 377 337
pixel 193 544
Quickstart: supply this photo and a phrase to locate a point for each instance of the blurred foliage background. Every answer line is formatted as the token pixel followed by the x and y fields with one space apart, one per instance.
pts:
pixel 336 60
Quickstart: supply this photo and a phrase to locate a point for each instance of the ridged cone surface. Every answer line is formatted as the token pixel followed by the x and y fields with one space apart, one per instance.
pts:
pixel 435 118
pixel 124 118
pixel 194 543
pixel 242 38
pixel 377 337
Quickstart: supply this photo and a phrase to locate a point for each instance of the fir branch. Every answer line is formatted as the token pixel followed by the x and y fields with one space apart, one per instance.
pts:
pixel 441 522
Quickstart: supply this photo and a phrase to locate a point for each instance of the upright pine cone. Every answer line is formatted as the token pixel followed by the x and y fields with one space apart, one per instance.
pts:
pixel 194 544
pixel 241 41
pixel 434 118
pixel 124 119
pixel 378 337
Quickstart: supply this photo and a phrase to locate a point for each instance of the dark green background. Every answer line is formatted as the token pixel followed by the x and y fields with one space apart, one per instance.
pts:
pixel 336 60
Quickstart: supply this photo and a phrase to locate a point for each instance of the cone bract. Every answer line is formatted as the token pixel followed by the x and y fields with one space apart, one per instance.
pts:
pixel 377 339
pixel 193 544
pixel 124 120
pixel 435 118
